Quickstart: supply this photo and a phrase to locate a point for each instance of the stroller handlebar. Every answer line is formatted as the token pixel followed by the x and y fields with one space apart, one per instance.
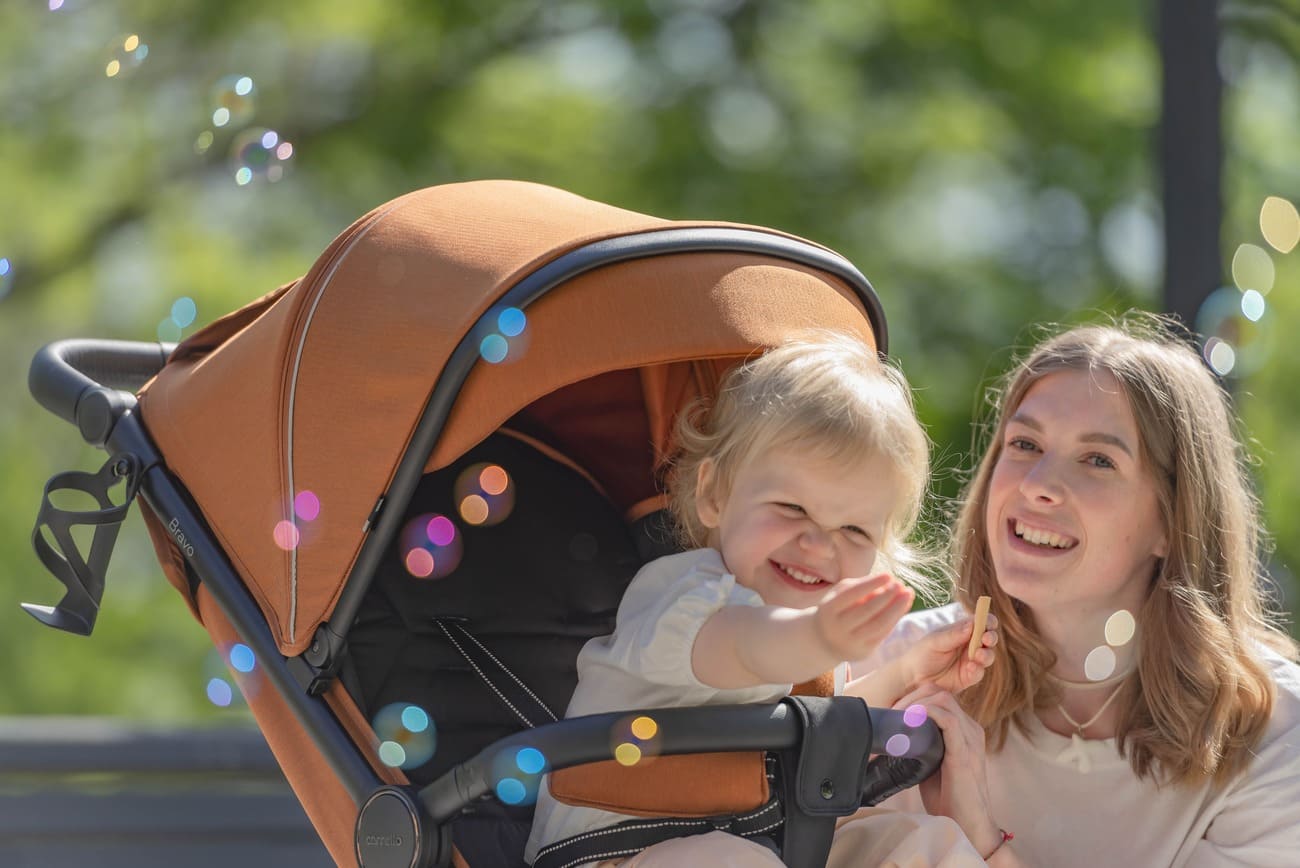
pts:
pixel 89 382
pixel 579 740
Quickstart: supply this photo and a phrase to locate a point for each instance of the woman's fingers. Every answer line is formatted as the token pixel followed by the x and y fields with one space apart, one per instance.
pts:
pixel 982 658
pixel 990 637
pixel 952 723
pixel 950 638
pixel 941 707
pixel 970 672
pixel 957 635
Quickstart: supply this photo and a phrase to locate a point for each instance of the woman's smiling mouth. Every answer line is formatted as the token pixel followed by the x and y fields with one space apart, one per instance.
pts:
pixel 1040 538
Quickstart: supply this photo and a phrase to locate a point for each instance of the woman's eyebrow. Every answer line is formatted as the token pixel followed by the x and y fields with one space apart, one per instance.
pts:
pixel 1090 437
pixel 1109 439
pixel 1026 420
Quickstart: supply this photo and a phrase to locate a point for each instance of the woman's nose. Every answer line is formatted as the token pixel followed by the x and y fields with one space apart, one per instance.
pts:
pixel 1042 484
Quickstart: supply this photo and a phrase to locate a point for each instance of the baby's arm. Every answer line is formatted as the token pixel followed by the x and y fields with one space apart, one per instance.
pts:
pixel 941 658
pixel 883 685
pixel 743 646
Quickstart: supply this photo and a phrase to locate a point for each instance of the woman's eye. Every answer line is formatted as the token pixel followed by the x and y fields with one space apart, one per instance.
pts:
pixel 1098 460
pixel 1020 444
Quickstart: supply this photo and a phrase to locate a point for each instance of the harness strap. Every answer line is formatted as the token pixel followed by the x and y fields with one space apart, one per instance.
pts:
pixel 632 836
pixel 504 684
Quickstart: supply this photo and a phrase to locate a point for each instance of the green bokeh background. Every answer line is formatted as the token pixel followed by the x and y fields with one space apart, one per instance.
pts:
pixel 986 164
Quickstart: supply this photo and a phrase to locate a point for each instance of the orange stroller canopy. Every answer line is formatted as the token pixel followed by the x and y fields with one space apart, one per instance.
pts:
pixel 321 386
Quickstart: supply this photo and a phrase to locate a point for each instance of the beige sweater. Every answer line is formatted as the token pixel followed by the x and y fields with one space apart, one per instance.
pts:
pixel 1072 802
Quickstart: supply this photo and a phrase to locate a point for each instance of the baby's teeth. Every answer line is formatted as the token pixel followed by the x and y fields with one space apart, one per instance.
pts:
pixel 802 576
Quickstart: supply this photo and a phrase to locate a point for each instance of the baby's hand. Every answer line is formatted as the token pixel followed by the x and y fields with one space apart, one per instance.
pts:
pixel 857 614
pixel 942 658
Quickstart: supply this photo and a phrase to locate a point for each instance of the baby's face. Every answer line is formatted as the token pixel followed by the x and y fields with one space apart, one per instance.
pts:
pixel 793 525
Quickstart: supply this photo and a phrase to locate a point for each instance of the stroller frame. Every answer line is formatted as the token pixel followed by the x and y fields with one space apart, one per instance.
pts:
pixel 83 382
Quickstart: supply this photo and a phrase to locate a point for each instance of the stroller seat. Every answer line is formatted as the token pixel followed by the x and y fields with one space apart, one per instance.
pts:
pixel 532 589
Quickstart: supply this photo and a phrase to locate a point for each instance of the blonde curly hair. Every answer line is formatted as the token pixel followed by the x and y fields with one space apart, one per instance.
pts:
pixel 832 396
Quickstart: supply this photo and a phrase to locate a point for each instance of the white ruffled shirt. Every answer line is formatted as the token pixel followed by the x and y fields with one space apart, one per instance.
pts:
pixel 1076 802
pixel 646 663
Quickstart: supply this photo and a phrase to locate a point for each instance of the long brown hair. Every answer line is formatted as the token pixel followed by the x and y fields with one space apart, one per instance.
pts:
pixel 1203 695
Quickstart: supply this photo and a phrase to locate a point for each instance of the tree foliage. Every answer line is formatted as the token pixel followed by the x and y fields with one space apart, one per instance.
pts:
pixel 987 165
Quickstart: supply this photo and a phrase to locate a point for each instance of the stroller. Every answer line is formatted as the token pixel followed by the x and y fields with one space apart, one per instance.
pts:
pixel 401 492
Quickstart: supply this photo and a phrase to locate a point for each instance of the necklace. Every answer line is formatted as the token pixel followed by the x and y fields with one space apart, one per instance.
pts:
pixel 1080 727
pixel 1092 685
pixel 1077 752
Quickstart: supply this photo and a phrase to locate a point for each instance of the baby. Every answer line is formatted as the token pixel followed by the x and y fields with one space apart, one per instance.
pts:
pixel 796 493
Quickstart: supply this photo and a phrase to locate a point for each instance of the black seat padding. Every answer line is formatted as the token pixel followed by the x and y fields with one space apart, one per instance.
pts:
pixel 533 589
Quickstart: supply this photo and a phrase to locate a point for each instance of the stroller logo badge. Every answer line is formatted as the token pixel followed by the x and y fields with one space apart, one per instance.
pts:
pixel 182 541
pixel 383 840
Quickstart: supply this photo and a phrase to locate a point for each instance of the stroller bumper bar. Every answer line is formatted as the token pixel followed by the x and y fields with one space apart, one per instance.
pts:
pixel 579 740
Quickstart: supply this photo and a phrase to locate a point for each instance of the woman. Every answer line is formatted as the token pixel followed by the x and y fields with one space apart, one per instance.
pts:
pixel 1143 710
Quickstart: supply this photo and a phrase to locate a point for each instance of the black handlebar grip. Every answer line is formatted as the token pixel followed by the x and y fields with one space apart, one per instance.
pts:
pixel 65 374
pixel 907 752
pixel 63 371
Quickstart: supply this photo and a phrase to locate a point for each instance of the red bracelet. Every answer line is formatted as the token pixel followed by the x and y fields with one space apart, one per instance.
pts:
pixel 1006 836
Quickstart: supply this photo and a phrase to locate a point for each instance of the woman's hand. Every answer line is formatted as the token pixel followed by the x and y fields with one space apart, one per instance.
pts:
pixel 959 789
pixel 940 658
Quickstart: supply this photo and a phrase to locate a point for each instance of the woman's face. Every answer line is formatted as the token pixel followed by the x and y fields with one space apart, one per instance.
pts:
pixel 1073 519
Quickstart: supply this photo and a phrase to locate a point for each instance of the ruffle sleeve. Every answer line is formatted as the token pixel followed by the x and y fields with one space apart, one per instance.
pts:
pixel 655 638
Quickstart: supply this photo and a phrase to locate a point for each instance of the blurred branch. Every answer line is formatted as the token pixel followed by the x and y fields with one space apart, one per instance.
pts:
pixel 468 48
pixel 1275 21
pixel 32 273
